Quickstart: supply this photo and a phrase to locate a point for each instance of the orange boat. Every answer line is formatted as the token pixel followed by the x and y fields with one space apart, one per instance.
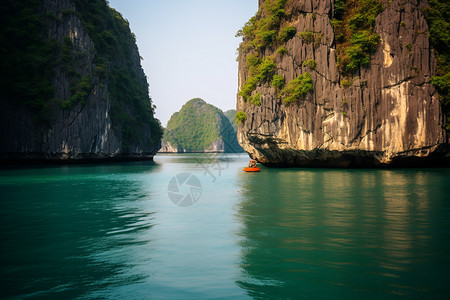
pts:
pixel 253 169
pixel 252 166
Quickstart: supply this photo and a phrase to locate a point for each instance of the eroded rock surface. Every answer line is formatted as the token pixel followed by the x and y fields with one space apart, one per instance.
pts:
pixel 85 129
pixel 389 116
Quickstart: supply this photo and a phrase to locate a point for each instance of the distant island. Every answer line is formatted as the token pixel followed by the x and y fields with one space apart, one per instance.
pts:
pixel 200 127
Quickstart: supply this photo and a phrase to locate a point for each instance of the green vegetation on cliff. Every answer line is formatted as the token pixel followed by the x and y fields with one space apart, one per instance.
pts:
pixel 311 63
pixel 128 89
pixel 353 24
pixel 298 88
pixel 197 126
pixel 241 117
pixel 278 81
pixel 261 71
pixel 261 31
pixel 256 100
pixel 438 18
pixel 30 61
pixel 27 57
pixel 310 37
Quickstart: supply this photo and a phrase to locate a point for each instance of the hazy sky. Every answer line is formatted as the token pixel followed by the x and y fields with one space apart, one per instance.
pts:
pixel 189 48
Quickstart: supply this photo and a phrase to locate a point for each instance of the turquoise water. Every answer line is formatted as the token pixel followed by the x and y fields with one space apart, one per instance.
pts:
pixel 112 231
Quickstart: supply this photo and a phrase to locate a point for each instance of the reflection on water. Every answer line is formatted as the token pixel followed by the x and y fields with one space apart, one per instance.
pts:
pixel 325 233
pixel 73 235
pixel 111 232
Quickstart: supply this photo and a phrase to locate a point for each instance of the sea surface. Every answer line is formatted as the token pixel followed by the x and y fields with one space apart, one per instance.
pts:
pixel 195 226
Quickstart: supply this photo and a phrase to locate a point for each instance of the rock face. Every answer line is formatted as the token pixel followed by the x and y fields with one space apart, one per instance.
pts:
pixel 389 116
pixel 79 129
pixel 199 127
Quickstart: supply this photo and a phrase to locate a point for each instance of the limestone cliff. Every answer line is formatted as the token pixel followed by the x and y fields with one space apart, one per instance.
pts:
pixel 91 96
pixel 381 113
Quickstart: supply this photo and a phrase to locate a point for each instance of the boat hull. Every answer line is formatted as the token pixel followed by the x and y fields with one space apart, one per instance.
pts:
pixel 255 169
